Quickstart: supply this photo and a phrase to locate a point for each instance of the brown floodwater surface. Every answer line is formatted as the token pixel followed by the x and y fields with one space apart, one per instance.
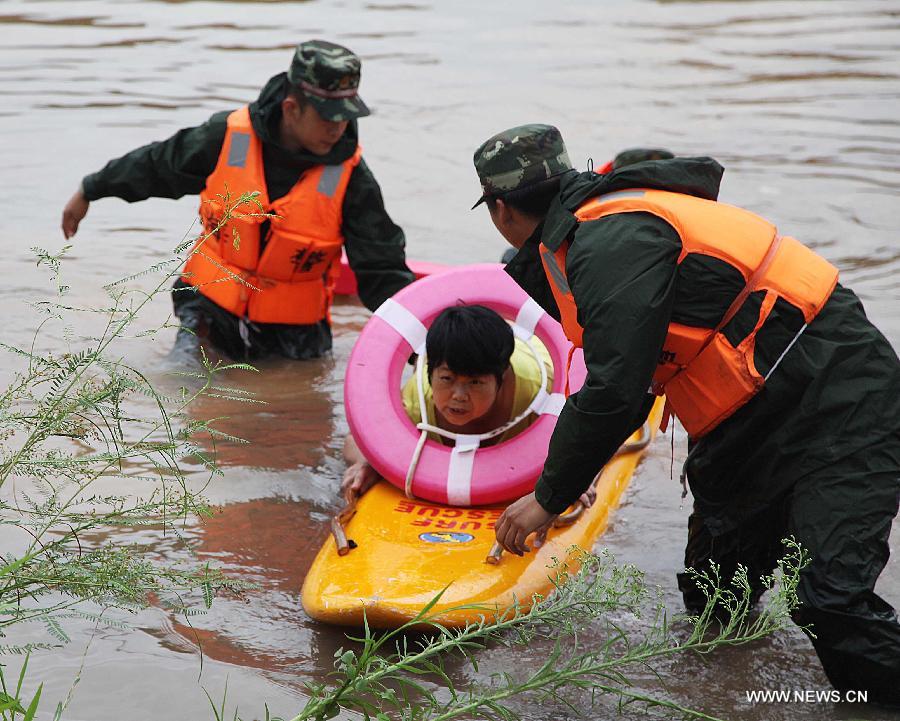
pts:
pixel 799 100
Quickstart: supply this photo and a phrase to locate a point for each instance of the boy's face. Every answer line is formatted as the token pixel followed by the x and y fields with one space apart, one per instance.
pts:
pixel 462 399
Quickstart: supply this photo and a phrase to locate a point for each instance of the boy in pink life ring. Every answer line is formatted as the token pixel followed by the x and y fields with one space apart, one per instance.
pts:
pixel 478 378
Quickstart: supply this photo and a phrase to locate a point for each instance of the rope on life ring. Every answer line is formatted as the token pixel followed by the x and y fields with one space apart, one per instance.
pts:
pixel 471 442
pixel 469 472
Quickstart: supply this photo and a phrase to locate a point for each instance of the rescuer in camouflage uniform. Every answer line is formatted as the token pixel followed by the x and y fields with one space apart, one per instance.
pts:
pixel 815 454
pixel 181 164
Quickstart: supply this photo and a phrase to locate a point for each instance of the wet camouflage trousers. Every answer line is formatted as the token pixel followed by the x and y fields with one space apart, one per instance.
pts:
pixel 842 515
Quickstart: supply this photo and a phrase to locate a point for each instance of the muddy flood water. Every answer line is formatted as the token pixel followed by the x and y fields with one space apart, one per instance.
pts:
pixel 799 100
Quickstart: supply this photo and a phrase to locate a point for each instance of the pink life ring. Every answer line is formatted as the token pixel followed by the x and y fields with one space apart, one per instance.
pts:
pixel 464 474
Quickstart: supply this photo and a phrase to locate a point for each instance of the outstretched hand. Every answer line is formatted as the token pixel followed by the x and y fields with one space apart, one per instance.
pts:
pixel 74 213
pixel 519 520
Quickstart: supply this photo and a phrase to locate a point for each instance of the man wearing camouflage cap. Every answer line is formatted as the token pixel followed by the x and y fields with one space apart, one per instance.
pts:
pixel 297 145
pixel 790 396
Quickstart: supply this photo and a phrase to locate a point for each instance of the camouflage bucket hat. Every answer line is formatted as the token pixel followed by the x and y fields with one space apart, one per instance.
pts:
pixel 328 75
pixel 519 157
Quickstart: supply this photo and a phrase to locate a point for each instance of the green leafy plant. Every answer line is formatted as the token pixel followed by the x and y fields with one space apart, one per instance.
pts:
pixel 405 675
pixel 76 421
pixel 383 679
pixel 11 702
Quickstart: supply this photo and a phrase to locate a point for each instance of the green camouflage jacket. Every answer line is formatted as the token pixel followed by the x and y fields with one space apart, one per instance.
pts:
pixel 836 391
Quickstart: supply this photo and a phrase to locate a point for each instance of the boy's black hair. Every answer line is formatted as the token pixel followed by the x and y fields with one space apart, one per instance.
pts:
pixel 533 200
pixel 472 340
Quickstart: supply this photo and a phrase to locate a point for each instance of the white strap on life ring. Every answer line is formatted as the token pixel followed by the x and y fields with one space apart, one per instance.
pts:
pixel 547 403
pixel 462 457
pixel 459 472
pixel 404 322
pixel 527 318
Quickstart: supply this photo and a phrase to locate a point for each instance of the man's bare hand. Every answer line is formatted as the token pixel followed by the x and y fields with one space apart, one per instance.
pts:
pixel 589 497
pixel 521 519
pixel 74 213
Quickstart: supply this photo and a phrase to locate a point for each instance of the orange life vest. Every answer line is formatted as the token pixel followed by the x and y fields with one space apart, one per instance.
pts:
pixel 292 279
pixel 706 379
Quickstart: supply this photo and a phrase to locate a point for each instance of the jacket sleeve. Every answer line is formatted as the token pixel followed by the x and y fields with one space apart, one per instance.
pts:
pixel 621 270
pixel 375 244
pixel 169 168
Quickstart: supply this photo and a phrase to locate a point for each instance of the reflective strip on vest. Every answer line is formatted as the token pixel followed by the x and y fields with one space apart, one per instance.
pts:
pixel 559 278
pixel 328 182
pixel 237 151
pixel 621 194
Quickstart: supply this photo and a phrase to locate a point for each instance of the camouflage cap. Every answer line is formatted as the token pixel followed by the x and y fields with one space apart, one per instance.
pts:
pixel 519 157
pixel 328 75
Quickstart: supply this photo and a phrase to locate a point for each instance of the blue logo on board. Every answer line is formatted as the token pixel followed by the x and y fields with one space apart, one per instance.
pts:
pixel 447 537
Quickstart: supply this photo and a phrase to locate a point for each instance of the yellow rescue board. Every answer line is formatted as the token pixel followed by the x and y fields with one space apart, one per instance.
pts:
pixel 408 550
